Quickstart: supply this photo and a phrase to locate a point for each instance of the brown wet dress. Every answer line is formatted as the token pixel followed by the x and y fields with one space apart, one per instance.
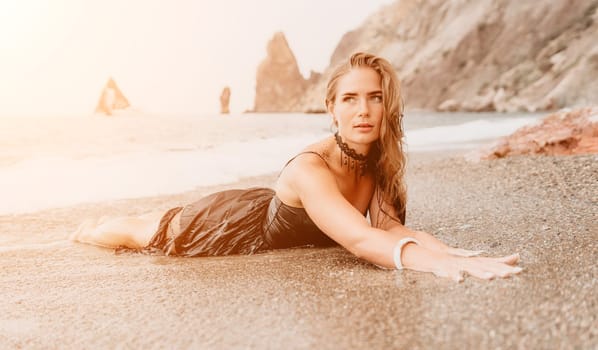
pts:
pixel 235 222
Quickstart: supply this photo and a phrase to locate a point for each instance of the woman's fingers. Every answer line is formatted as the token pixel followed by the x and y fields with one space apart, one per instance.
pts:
pixel 503 270
pixel 458 277
pixel 482 274
pixel 465 252
pixel 489 268
pixel 480 267
pixel 509 259
pixel 455 275
pixel 512 259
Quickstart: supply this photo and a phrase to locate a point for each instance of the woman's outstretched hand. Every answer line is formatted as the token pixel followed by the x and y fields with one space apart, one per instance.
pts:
pixel 432 255
pixel 433 243
pixel 456 266
pixel 463 252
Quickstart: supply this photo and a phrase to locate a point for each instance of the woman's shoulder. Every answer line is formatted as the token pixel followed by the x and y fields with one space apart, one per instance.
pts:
pixel 305 162
pixel 306 168
pixel 316 154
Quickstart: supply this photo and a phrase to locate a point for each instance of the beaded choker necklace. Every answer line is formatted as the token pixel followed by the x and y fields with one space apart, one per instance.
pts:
pixel 350 158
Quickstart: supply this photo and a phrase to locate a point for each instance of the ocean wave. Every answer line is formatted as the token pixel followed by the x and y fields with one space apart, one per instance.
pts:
pixel 477 130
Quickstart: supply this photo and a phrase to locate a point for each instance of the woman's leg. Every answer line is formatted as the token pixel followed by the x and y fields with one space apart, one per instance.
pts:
pixel 128 231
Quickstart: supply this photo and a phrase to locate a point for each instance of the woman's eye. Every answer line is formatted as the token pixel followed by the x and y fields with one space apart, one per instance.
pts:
pixel 377 99
pixel 349 99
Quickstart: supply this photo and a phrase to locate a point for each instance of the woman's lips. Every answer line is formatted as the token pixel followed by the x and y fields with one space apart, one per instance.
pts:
pixel 363 126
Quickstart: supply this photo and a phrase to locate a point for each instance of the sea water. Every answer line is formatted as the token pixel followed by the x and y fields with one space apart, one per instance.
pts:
pixel 51 162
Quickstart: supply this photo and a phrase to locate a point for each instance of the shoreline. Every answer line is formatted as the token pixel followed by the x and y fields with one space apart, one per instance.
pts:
pixel 101 160
pixel 72 295
pixel 141 205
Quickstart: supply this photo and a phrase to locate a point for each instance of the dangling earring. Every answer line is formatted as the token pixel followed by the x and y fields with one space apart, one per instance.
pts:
pixel 334 126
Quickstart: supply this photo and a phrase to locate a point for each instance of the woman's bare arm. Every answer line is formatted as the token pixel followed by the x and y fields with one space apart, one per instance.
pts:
pixel 387 220
pixel 316 187
pixel 334 215
pixel 453 261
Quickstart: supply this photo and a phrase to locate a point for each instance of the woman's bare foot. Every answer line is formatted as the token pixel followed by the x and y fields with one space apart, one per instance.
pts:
pixel 84 229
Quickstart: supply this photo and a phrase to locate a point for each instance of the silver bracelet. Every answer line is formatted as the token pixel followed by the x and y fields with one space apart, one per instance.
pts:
pixel 399 250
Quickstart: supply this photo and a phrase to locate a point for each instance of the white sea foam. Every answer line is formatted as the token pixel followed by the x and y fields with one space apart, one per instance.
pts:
pixel 463 136
pixel 123 161
pixel 35 246
pixel 40 183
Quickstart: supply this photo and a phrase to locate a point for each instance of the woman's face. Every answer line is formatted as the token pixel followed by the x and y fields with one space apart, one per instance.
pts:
pixel 358 107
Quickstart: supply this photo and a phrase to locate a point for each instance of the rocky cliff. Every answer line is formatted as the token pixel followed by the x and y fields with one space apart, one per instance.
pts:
pixel 503 55
pixel 279 83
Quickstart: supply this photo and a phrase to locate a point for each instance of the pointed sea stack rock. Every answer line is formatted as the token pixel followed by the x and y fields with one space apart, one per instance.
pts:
pixel 224 100
pixel 279 83
pixel 111 99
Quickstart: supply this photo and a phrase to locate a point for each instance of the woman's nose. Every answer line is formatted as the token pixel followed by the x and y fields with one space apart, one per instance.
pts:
pixel 364 107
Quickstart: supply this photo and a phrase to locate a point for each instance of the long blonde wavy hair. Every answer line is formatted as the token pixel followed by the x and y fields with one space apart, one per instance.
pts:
pixel 388 152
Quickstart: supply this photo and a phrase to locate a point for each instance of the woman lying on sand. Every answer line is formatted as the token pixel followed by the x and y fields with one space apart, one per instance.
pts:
pixel 321 197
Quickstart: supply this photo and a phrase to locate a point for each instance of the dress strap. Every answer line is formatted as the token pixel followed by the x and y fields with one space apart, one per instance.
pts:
pixel 298 154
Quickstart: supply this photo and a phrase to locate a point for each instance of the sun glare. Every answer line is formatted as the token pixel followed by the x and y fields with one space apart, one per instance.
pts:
pixel 21 22
pixel 173 57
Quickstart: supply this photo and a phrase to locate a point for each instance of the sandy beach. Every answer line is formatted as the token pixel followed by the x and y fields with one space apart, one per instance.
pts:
pixel 112 109
pixel 58 294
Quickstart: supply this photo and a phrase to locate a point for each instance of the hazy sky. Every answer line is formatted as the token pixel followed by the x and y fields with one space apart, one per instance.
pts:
pixel 166 56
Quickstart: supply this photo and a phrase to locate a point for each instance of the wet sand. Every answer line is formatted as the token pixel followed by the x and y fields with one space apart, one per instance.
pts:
pixel 58 294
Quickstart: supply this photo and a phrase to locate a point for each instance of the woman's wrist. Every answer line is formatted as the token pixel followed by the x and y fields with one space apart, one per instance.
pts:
pixel 429 241
pixel 446 262
pixel 398 250
pixel 420 258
